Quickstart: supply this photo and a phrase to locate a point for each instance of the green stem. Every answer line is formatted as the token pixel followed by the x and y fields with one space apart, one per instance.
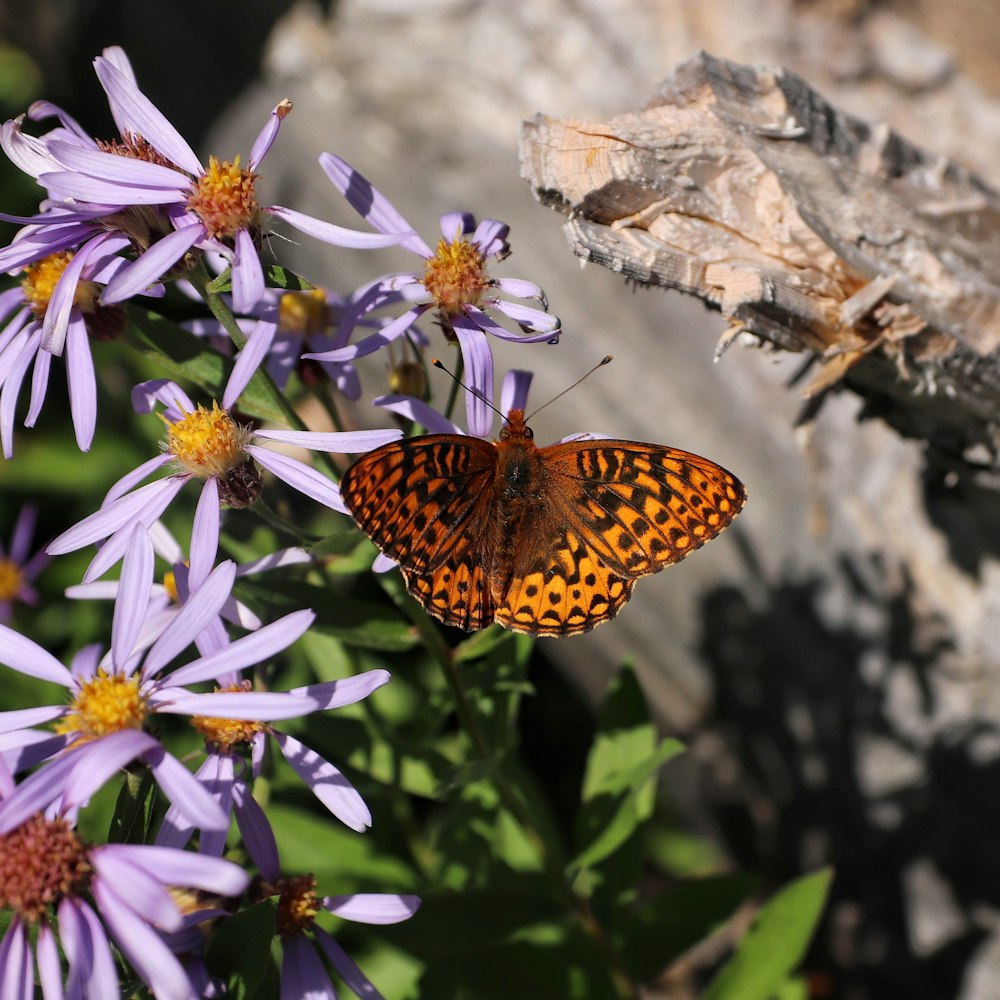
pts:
pixel 282 524
pixel 455 383
pixel 552 866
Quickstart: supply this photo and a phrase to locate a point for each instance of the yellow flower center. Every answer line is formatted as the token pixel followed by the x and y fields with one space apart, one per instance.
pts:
pixel 224 199
pixel 303 312
pixel 297 904
pixel 206 443
pixel 170 585
pixel 41 861
pixel 224 734
pixel 107 703
pixel 39 282
pixel 10 579
pixel 456 276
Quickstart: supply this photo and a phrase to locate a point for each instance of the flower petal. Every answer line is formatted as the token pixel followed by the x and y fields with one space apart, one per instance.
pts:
pixel 152 265
pixel 373 907
pixel 258 837
pixel 349 442
pixel 479 375
pixel 27 657
pixel 327 783
pixel 143 947
pixel 299 476
pixel 248 277
pixel 245 651
pixel 82 383
pixel 172 867
pixel 346 967
pixel 191 619
pixel 337 235
pixel 146 895
pixel 186 792
pixel 134 112
pixel 252 705
pixel 333 694
pixel 133 595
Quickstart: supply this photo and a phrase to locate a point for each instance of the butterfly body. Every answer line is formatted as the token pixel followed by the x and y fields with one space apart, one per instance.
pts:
pixel 547 541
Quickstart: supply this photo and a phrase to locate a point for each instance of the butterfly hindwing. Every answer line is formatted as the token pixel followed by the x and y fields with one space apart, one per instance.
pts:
pixel 566 590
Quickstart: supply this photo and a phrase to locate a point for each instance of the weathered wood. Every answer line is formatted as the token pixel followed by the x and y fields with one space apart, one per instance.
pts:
pixel 808 228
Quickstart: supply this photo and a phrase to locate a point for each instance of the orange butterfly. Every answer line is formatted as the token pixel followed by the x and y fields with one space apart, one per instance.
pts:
pixel 547 541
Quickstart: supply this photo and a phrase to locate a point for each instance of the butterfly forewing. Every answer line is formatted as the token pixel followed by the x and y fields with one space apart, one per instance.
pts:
pixel 415 497
pixel 641 507
pixel 425 503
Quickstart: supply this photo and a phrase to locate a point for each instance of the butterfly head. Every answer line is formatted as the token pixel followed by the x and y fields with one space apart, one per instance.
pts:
pixel 516 429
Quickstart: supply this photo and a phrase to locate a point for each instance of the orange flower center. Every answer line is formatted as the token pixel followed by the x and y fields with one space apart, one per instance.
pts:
pixel 207 443
pixel 41 861
pixel 224 199
pixel 456 276
pixel 41 277
pixel 224 734
pixel 107 703
pixel 297 904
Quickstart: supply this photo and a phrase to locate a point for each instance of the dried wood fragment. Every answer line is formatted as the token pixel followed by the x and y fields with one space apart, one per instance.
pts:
pixel 808 228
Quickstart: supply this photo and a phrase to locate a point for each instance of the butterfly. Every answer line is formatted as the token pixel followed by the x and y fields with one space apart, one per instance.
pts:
pixel 546 541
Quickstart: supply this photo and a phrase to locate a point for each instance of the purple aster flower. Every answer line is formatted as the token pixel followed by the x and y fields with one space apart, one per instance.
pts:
pixel 17 568
pixel 211 446
pixel 56 311
pixel 186 574
pixel 453 281
pixel 72 897
pixel 283 325
pixel 211 209
pixel 303 974
pixel 113 700
pixel 225 771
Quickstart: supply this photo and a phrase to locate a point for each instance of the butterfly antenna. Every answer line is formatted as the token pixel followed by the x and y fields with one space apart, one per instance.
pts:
pixel 606 360
pixel 438 364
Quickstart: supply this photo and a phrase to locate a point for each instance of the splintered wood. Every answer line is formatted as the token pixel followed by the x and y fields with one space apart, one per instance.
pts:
pixel 805 227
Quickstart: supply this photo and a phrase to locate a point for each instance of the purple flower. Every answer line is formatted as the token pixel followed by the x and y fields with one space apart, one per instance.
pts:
pixel 51 879
pixel 226 773
pixel 56 311
pixel 285 324
pixel 208 445
pixel 112 700
pixel 17 568
pixel 213 208
pixel 185 575
pixel 302 972
pixel 453 281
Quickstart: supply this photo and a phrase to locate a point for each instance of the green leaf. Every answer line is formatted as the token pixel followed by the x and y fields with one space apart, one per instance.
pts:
pixel 134 810
pixel 619 782
pixel 482 643
pixel 180 352
pixel 239 951
pixel 776 944
pixel 354 622
pixel 659 931
pixel 276 276
pixel 185 356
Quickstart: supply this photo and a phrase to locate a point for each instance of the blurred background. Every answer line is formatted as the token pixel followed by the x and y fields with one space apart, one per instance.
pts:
pixel 832 661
